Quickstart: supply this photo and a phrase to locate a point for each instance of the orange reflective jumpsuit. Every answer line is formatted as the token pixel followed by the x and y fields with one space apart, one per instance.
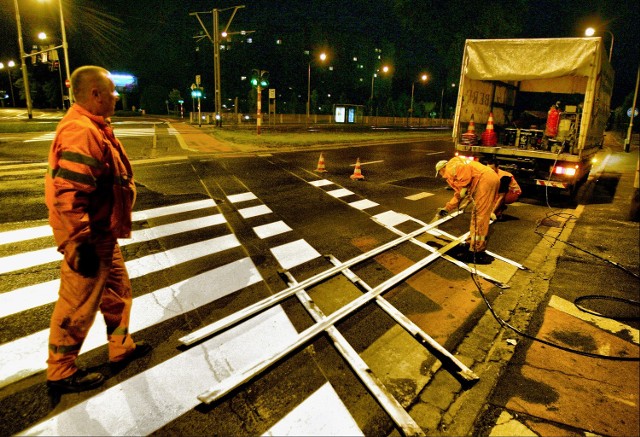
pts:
pixel 507 193
pixel 89 191
pixel 482 185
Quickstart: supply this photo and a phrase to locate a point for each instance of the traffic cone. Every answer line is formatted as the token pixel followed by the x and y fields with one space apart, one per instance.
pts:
pixel 469 137
pixel 357 174
pixel 321 168
pixel 489 136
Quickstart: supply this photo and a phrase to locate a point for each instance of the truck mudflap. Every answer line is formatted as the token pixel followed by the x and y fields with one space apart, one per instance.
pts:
pixel 554 184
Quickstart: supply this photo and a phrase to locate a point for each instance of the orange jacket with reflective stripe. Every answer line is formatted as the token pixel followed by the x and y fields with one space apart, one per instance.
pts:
pixel 89 187
pixel 460 174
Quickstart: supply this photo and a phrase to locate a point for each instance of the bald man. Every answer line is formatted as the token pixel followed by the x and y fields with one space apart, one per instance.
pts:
pixel 89 192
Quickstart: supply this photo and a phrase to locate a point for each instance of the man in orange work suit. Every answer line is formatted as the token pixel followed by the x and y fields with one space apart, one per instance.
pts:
pixel 89 191
pixel 477 184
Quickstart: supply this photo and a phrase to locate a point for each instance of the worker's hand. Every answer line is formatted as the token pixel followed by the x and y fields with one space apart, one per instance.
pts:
pixel 463 193
pixel 84 259
pixel 493 217
pixel 442 212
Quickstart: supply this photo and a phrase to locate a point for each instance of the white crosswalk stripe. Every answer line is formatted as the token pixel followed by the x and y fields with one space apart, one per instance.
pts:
pixel 118 132
pixel 146 402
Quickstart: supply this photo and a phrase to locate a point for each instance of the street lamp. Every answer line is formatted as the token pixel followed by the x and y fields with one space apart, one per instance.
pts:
pixel 322 57
pixel 64 49
pixel 591 31
pixel 384 69
pixel 43 36
pixel 423 78
pixel 10 65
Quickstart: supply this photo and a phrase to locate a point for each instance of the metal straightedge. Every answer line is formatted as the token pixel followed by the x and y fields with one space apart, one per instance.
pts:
pixel 245 375
pixel 376 387
pixel 465 375
pixel 270 301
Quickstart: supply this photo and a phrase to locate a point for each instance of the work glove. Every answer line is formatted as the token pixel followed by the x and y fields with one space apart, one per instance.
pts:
pixel 493 217
pixel 85 260
pixel 442 212
pixel 463 193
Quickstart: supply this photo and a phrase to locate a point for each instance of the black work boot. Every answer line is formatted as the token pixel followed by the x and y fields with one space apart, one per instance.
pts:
pixel 79 381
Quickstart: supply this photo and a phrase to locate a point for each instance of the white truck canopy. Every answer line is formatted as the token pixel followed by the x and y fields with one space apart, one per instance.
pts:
pixel 518 59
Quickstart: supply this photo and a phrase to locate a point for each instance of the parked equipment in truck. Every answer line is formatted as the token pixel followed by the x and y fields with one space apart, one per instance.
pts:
pixel 547 101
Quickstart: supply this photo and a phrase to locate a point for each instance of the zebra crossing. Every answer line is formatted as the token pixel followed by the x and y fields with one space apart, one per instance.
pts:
pixel 120 132
pixel 192 371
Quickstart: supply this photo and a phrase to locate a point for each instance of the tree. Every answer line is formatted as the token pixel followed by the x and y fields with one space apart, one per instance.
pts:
pixel 174 98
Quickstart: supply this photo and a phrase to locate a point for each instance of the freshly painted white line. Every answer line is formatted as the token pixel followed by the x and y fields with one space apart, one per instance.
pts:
pixel 144 403
pixel 271 229
pixel 368 162
pixel 294 253
pixel 172 209
pixel 43 256
pixel 18 235
pixel 242 197
pixel 363 204
pixel 419 196
pixel 320 183
pixel 254 211
pixel 25 298
pixel 391 218
pixel 120 133
pixel 27 355
pixel 604 323
pixel 321 414
pixel 341 192
pixel 169 258
pixel 29 259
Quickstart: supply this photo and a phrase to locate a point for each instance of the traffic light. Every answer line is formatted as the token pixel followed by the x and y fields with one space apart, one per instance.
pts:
pixel 196 93
pixel 260 77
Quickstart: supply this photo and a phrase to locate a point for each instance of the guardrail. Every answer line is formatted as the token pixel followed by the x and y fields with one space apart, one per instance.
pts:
pixel 318 119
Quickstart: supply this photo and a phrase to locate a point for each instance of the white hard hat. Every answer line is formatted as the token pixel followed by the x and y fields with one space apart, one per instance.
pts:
pixel 440 165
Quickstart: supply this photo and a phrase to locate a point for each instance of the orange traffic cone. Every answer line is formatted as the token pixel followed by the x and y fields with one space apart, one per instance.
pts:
pixel 357 174
pixel 469 137
pixel 321 168
pixel 489 136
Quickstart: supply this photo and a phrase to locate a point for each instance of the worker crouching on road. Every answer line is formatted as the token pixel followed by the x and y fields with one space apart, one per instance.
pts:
pixel 508 192
pixel 477 184
pixel 89 191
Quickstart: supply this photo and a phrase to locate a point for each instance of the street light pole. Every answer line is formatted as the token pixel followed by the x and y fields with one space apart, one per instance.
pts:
pixel 66 54
pixel 10 64
pixel 25 78
pixel 323 57
pixel 590 31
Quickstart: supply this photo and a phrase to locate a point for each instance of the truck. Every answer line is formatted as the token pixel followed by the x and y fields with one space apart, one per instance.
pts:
pixel 537 107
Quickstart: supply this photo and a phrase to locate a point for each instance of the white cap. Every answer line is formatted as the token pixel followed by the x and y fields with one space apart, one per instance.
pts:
pixel 440 165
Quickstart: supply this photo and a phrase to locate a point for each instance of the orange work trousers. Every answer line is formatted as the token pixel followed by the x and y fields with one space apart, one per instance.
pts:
pixel 79 300
pixel 484 197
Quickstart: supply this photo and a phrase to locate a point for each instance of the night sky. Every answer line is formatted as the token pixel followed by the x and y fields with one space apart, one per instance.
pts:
pixel 155 39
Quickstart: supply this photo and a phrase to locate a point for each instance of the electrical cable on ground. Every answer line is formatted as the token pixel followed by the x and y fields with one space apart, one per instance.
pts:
pixel 505 324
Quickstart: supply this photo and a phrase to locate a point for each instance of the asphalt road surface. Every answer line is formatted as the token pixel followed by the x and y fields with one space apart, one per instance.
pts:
pixel 214 236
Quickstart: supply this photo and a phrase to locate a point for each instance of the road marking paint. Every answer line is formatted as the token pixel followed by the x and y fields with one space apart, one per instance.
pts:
pixel 320 183
pixel 391 218
pixel 368 162
pixel 144 403
pixel 363 204
pixel 428 152
pixel 27 355
pixel 169 258
pixel 322 413
pixel 254 211
pixel 173 209
pixel 242 197
pixel 271 229
pixel 603 323
pixel 43 256
pixel 118 132
pixel 294 253
pixel 340 192
pixel 419 196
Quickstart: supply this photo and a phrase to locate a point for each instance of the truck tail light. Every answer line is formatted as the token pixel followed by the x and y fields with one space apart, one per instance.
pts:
pixel 567 171
pixel 468 158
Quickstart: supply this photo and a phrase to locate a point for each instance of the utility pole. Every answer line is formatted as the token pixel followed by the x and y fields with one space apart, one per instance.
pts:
pixel 214 37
